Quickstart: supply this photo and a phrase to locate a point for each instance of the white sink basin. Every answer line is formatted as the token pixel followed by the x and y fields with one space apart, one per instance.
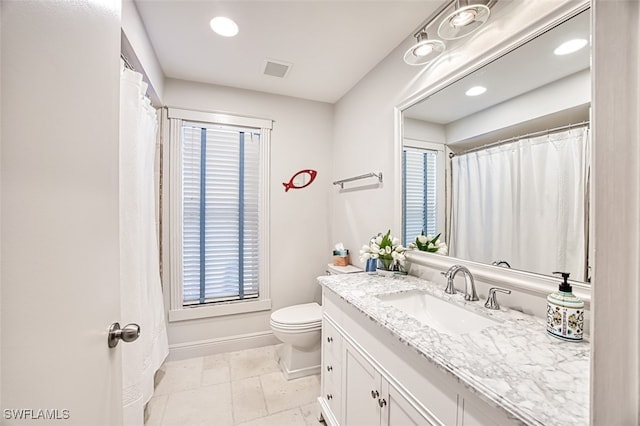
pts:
pixel 443 316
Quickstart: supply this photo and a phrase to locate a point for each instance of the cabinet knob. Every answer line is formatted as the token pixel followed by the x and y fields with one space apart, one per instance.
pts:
pixel 329 339
pixel 374 394
pixel 329 368
pixel 329 396
pixel 382 402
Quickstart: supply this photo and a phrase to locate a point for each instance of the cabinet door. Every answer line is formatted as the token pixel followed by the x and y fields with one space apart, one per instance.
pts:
pixel 362 392
pixel 397 410
pixel 474 412
pixel 331 369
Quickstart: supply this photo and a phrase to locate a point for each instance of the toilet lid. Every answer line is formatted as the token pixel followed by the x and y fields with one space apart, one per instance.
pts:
pixel 298 314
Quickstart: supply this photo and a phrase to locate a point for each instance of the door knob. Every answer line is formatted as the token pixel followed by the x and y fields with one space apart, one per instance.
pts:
pixel 129 333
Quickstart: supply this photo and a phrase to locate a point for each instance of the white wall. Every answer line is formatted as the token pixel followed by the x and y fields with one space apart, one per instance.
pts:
pixel 137 38
pixel 615 352
pixel 560 95
pixel 300 238
pixel 424 131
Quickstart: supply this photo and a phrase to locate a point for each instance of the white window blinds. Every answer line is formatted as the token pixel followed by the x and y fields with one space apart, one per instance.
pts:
pixel 420 195
pixel 220 235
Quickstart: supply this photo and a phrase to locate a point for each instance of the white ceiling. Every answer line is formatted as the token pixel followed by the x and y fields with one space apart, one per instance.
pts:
pixel 331 44
pixel 529 67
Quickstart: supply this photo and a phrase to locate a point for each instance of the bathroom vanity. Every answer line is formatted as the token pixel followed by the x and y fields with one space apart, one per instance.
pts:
pixel 399 351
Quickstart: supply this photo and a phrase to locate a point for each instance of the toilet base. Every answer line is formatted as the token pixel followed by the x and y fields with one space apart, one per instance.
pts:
pixel 295 363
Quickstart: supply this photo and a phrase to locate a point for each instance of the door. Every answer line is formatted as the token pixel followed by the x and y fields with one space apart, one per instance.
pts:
pixel 362 392
pixel 399 410
pixel 59 177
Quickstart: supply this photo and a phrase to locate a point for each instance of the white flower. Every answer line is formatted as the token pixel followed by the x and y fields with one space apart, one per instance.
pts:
pixel 422 238
pixel 383 246
pixel 412 246
pixel 364 257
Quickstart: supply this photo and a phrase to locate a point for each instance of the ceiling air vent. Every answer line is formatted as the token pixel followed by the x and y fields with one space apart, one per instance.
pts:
pixel 276 68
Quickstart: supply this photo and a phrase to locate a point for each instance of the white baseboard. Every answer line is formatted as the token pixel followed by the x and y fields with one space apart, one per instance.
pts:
pixel 219 345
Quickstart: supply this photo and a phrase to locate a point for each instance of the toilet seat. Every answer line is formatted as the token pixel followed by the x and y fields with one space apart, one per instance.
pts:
pixel 298 317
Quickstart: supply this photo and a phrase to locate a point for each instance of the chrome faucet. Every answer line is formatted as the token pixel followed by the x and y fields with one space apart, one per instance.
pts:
pixel 492 301
pixel 471 296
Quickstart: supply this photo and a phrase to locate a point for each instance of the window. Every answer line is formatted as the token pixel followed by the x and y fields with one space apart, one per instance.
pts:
pixel 218 214
pixel 423 189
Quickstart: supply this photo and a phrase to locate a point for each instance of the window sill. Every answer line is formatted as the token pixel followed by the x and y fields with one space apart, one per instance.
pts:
pixel 199 312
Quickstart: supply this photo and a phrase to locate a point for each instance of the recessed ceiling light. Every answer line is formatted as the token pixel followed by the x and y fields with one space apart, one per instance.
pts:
pixel 570 46
pixel 475 91
pixel 224 26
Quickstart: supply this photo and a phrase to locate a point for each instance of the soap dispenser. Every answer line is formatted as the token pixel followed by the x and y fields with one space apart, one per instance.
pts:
pixel 565 312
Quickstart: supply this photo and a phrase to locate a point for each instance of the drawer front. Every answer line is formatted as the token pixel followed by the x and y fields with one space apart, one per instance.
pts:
pixel 330 306
pixel 331 343
pixel 331 367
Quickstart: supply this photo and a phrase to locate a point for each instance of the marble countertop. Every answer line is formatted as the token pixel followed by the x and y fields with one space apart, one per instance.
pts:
pixel 538 379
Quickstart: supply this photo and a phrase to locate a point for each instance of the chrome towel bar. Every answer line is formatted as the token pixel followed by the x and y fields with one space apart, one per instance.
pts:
pixel 341 182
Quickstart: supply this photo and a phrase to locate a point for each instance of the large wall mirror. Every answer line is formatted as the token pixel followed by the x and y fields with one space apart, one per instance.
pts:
pixel 498 163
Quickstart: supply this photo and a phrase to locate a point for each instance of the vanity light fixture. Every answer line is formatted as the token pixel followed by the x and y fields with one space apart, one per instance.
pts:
pixel 570 46
pixel 224 26
pixel 424 51
pixel 468 16
pixel 475 91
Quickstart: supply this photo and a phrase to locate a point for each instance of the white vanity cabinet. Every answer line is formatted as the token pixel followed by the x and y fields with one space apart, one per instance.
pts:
pixel 371 378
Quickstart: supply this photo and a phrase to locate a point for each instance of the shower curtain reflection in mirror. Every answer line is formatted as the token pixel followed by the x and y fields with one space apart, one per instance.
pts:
pixel 537 223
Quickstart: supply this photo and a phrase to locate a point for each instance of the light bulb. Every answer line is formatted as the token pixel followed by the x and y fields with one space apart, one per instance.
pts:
pixel 570 46
pixel 224 26
pixel 463 18
pixel 475 91
pixel 423 50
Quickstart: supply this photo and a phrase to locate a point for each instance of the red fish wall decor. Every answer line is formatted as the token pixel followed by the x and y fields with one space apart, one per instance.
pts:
pixel 300 180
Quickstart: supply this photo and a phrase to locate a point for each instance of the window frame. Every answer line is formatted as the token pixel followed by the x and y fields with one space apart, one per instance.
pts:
pixel 178 312
pixel 440 182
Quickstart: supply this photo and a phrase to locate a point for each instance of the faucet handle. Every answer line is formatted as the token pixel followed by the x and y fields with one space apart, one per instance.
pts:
pixel 492 301
pixel 450 289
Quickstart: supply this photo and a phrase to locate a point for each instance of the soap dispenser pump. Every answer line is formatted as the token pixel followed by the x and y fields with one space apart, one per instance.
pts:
pixel 565 312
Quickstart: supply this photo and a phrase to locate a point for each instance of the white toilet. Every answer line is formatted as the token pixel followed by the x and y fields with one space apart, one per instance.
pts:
pixel 299 327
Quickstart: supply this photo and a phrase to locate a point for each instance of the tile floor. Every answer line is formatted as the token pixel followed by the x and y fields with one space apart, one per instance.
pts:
pixel 236 388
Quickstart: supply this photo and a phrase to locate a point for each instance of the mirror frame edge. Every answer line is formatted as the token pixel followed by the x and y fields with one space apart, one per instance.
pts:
pixel 530 282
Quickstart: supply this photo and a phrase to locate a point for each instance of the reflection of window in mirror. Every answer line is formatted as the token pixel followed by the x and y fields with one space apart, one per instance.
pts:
pixel 423 195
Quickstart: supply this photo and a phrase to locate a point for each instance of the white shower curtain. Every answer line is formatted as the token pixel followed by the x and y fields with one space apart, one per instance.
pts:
pixel 524 202
pixel 140 288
